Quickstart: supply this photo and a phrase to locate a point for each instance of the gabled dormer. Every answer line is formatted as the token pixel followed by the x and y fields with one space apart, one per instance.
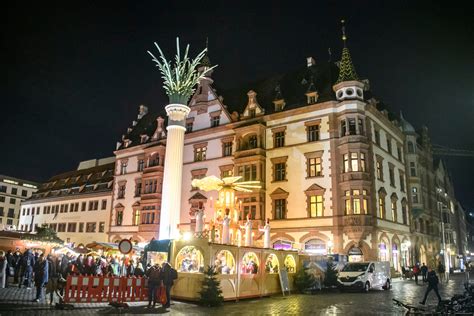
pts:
pixel 311 94
pixel 348 86
pixel 252 109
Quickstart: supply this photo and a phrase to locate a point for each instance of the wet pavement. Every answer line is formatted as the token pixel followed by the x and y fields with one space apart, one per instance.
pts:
pixel 14 301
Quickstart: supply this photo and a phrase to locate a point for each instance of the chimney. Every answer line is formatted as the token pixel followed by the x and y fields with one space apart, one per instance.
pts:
pixel 310 61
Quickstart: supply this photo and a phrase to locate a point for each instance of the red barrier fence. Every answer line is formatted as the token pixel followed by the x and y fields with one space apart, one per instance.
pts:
pixel 92 289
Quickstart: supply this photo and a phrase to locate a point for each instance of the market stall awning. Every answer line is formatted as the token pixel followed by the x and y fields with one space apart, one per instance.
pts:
pixel 102 245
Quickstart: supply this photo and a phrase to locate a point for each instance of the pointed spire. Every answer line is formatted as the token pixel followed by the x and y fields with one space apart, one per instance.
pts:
pixel 346 69
pixel 311 87
pixel 206 62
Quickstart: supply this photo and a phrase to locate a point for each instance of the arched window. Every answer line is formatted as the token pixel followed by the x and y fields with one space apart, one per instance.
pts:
pixel 395 256
pixel 355 254
pixel 250 263
pixel 271 264
pixel 225 262
pixel 282 244
pixel 190 259
pixel 290 264
pixel 315 246
pixel 383 251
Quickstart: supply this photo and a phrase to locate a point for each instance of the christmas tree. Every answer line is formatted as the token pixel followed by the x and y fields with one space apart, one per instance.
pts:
pixel 330 277
pixel 211 294
pixel 303 280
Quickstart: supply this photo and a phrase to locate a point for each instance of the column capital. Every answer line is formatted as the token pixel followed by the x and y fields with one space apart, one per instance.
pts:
pixel 177 112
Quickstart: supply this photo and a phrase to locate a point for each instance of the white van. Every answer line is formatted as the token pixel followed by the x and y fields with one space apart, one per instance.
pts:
pixel 365 275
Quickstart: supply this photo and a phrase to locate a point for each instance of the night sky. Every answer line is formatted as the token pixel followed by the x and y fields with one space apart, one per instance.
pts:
pixel 76 75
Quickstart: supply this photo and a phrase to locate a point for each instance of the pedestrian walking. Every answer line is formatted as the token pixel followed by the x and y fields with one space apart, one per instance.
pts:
pixel 10 267
pixel 154 279
pixel 52 285
pixel 16 265
pixel 416 271
pixel 424 272
pixel 168 276
pixel 441 271
pixel 433 281
pixel 41 276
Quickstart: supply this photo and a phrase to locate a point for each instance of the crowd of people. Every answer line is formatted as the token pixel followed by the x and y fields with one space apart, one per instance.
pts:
pixel 30 269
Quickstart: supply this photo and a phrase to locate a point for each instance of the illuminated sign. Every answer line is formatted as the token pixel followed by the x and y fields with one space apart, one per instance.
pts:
pixel 30 185
pixel 10 181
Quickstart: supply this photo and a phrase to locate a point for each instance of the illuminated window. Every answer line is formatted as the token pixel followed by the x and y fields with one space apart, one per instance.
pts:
pixel 250 263
pixel 381 206
pixel 136 217
pixel 394 209
pixel 200 153
pixel 362 162
pixel 316 205
pixel 347 209
pixel 379 166
pixel 272 264
pixel 119 218
pixel 346 162
pixel 225 262
pixel 101 227
pixel 190 259
pixel 314 167
pixel 354 162
pixel 356 202
pixel 123 167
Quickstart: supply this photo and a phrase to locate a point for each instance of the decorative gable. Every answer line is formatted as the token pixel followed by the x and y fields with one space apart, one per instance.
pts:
pixel 253 108
pixel 314 189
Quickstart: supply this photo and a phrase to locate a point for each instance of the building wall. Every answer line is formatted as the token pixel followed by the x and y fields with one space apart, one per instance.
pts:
pixel 12 193
pixel 90 224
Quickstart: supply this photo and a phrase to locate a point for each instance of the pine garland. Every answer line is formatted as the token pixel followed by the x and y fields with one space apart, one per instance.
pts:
pixel 346 70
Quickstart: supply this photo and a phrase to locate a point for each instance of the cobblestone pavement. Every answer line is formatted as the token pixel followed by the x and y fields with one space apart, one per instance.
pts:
pixel 14 301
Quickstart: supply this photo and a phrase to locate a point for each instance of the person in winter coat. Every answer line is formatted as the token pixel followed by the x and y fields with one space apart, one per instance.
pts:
pixel 168 275
pixel 10 266
pixel 424 271
pixel 433 281
pixel 27 264
pixel 62 266
pixel 16 265
pixel 52 279
pixel 89 266
pixel 41 276
pixel 3 269
pixel 154 279
pixel 416 272
pixel 139 269
pixel 114 268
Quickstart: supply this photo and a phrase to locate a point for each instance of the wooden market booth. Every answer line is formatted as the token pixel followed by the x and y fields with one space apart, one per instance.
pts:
pixel 244 272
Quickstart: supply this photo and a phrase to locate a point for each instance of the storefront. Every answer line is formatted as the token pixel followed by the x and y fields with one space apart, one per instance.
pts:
pixel 355 254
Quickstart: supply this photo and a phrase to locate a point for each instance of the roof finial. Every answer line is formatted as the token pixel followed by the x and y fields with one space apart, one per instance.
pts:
pixel 207 43
pixel 344 37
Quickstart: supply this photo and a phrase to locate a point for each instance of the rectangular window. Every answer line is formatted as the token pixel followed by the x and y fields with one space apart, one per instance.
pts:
pixel 138 188
pixel 9 222
pixel 377 137
pixel 402 182
pixel 361 126
pixel 314 167
pixel 392 176
pixel 90 227
pixel 1 211
pixel 389 145
pixel 101 227
pixel 343 128
pixel 362 162
pixel 354 162
pixel 347 208
pixel 414 194
pixel 189 127
pixel 248 172
pixel 399 153
pixel 365 202
pixel 66 208
pixel 81 227
pixel 61 227
pixel 2 199
pixel 352 126
pixel 382 207
pixel 215 121
pixel 123 168
pixel 252 112
pixel 14 191
pixel 104 205
pixel 119 218
pixel 412 169
pixel 379 170
pixel 150 186
pixel 24 193
pixel 136 217
pixel 200 153
pixel 356 202
pixel 71 227
pixel 3 188
pixel 312 133
pixel 394 210
pixel 316 206
pixel 345 158
pixel 83 206
pixel 227 149
pixel 11 213
pixel 279 139
pixel 121 191
pixel 12 201
pixel 280 171
pixel 280 209
pixel 227 173
pixel 141 164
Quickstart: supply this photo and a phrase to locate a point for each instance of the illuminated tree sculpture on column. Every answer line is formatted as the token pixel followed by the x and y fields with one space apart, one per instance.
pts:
pixel 179 80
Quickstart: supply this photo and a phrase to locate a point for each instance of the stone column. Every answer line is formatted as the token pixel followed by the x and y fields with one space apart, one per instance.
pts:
pixel 172 178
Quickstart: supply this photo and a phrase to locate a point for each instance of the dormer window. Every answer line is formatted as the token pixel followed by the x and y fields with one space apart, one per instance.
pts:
pixel 252 113
pixel 312 97
pixel 215 121
pixel 143 138
pixel 279 105
pixel 189 127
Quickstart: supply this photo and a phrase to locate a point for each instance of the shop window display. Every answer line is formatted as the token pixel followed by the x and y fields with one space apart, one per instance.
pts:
pixel 271 264
pixel 190 259
pixel 290 264
pixel 249 263
pixel 225 262
pixel 154 257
